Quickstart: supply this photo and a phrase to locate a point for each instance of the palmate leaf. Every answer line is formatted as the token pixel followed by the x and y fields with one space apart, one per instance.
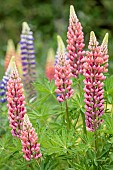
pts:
pixel 59 142
pixel 45 86
pixel 108 89
pixel 78 102
pixel 108 122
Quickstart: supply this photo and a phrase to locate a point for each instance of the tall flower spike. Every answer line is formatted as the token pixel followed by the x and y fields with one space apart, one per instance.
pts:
pixel 10 52
pixel 50 64
pixel 75 44
pixel 104 49
pixel 18 60
pixel 28 59
pixel 62 73
pixel 30 147
pixel 94 67
pixel 16 103
pixel 3 83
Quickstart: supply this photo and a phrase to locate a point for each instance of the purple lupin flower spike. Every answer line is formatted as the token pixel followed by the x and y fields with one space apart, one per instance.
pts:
pixel 95 64
pixel 3 83
pixel 62 73
pixel 75 44
pixel 28 59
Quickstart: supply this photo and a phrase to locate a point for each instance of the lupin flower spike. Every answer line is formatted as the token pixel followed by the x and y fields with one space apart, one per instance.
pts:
pixel 16 103
pixel 95 63
pixel 50 64
pixel 30 146
pixel 104 47
pixel 28 59
pixel 3 83
pixel 62 73
pixel 10 52
pixel 75 44
pixel 18 60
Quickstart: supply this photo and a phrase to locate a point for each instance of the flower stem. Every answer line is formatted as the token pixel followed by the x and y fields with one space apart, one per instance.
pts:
pixel 67 116
pixel 75 123
pixel 84 124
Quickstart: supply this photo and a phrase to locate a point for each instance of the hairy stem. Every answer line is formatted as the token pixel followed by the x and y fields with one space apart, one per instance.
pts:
pixel 75 123
pixel 67 116
pixel 84 123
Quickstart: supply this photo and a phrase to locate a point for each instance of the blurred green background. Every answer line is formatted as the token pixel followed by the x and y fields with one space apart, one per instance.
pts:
pixel 48 18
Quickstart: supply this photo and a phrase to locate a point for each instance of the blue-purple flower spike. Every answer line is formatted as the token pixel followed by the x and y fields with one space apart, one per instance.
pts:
pixel 28 59
pixel 4 81
pixel 3 88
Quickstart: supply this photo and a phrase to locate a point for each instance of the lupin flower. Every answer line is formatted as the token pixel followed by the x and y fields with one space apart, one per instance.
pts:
pixel 10 52
pixel 3 83
pixel 62 73
pixel 30 147
pixel 3 88
pixel 18 60
pixel 28 58
pixel 50 64
pixel 75 44
pixel 95 64
pixel 16 103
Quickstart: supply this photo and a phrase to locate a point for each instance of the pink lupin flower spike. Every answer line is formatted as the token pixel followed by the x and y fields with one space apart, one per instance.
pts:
pixel 96 62
pixel 75 44
pixel 50 65
pixel 30 147
pixel 9 53
pixel 16 103
pixel 62 73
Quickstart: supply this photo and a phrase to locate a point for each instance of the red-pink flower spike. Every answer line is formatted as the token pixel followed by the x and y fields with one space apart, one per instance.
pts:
pixel 75 44
pixel 16 103
pixel 50 65
pixel 30 147
pixel 62 73
pixel 9 53
pixel 94 66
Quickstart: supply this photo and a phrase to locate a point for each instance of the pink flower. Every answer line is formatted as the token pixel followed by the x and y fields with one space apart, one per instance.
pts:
pixel 95 64
pixel 16 103
pixel 75 44
pixel 10 52
pixel 30 147
pixel 50 65
pixel 62 74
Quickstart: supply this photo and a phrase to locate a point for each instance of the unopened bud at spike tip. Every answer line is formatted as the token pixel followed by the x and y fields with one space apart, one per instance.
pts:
pixel 10 46
pixel 61 46
pixel 10 67
pixel 105 40
pixel 92 36
pixel 72 12
pixel 25 28
pixel 14 68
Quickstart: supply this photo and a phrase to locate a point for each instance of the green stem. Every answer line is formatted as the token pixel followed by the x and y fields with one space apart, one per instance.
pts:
pixel 95 138
pixel 67 116
pixel 75 123
pixel 84 123
pixel 95 143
